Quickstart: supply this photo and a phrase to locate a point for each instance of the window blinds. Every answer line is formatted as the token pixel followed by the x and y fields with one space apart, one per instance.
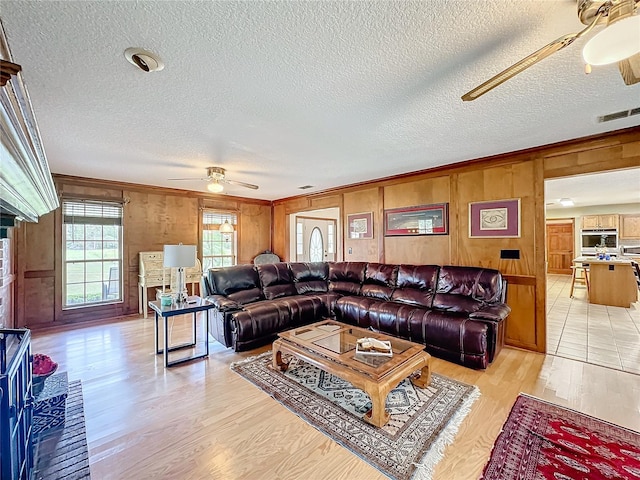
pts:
pixel 91 212
pixel 212 220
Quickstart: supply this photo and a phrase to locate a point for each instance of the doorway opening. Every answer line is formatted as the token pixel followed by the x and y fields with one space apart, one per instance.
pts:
pixel 576 328
pixel 315 236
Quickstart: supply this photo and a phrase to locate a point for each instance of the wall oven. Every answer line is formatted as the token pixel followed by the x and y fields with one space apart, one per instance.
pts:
pixel 590 239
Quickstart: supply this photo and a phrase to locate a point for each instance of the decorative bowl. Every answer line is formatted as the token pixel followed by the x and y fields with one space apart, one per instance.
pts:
pixel 43 367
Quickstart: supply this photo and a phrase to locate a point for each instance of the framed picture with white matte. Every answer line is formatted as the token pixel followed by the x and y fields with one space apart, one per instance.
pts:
pixel 495 219
pixel 360 225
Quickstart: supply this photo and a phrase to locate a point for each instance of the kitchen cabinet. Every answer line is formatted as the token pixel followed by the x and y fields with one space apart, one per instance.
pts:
pixel 590 222
pixel 630 226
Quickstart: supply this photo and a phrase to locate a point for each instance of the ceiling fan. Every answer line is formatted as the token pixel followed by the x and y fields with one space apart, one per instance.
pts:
pixel 216 177
pixel 618 42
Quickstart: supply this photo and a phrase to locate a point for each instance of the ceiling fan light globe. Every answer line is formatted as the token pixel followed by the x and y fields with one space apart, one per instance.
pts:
pixel 620 40
pixel 215 187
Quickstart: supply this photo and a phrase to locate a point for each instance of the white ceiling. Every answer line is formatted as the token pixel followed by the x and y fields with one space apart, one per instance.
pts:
pixel 606 188
pixel 285 94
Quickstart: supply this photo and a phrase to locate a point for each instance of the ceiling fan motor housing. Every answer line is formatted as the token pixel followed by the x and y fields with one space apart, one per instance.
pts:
pixel 611 9
pixel 215 173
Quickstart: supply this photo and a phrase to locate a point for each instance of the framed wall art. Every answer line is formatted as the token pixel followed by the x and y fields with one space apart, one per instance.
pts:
pixel 360 225
pixel 495 219
pixel 420 220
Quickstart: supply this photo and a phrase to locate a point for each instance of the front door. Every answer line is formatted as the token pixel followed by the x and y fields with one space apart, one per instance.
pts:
pixel 560 244
pixel 316 240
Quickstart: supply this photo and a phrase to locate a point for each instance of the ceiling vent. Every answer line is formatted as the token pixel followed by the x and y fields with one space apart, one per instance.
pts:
pixel 617 115
pixel 143 59
pixel 305 187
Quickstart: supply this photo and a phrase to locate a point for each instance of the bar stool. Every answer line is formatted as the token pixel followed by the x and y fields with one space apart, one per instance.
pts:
pixel 579 276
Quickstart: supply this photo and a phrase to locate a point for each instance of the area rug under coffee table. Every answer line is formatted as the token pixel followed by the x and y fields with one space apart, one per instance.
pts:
pixel 541 440
pixel 423 421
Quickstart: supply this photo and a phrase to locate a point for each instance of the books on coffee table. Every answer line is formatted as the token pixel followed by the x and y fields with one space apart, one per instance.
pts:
pixel 373 346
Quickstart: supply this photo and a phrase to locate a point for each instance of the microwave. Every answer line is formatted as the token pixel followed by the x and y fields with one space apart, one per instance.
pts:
pixel 590 239
pixel 633 250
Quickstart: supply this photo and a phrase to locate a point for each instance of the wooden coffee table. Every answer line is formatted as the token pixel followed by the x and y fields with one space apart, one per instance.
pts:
pixel 331 346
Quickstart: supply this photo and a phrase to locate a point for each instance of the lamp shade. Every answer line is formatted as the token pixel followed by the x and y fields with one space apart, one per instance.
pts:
pixel 179 256
pixel 618 41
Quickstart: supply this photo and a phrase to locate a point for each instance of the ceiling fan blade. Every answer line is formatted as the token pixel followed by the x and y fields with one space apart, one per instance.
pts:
pixel 630 69
pixel 526 62
pixel 201 178
pixel 240 184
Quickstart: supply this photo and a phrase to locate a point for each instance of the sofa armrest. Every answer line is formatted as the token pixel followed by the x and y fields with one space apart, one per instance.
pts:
pixel 495 313
pixel 223 303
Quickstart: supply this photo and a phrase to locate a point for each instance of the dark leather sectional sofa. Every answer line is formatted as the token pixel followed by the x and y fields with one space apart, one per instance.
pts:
pixel 458 313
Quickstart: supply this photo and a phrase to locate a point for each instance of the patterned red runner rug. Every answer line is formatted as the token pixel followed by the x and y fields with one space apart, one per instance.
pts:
pixel 540 441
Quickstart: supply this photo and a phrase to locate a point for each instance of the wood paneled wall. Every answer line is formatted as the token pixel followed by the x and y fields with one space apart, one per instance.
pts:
pixel 153 217
pixel 435 248
pixel 517 175
pixel 367 250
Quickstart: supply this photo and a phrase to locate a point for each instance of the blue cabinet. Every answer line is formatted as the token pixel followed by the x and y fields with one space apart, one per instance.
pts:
pixel 16 405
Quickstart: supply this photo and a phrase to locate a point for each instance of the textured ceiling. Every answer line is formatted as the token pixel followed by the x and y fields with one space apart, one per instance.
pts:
pixel 605 188
pixel 285 94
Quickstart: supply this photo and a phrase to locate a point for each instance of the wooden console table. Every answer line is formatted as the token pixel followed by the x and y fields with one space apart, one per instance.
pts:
pixel 153 274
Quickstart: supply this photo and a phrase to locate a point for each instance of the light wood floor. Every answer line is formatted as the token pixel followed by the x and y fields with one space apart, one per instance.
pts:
pixel 202 421
pixel 598 334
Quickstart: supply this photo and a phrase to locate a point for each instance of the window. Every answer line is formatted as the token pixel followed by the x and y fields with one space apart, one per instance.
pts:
pixel 218 247
pixel 299 239
pixel 331 240
pixel 316 248
pixel 92 256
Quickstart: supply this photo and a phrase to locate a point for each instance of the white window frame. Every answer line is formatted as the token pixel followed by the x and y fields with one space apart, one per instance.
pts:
pixel 299 238
pixel 211 221
pixel 80 214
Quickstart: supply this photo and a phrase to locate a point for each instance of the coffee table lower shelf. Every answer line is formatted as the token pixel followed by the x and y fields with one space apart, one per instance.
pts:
pixel 377 389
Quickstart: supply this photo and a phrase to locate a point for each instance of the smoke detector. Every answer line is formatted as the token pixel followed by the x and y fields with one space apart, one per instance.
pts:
pixel 143 59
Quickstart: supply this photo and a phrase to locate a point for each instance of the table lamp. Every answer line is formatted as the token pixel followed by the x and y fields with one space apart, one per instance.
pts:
pixel 180 256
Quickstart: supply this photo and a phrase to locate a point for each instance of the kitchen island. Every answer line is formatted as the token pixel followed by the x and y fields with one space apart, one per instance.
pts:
pixel 611 282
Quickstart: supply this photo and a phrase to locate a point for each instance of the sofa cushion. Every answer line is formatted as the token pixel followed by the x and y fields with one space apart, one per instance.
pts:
pixel 259 320
pixel 346 277
pixel 467 289
pixel 447 331
pixel 354 310
pixel 391 317
pixel 379 281
pixel 450 302
pixel 239 283
pixel 305 308
pixel 416 284
pixel 482 284
pixel 310 277
pixel 276 280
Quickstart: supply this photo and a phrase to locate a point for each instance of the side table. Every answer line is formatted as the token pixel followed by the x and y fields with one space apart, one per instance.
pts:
pixel 193 305
pixel 50 404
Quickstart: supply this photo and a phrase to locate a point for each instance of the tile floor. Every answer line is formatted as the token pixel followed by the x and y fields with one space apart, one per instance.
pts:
pixel 597 334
